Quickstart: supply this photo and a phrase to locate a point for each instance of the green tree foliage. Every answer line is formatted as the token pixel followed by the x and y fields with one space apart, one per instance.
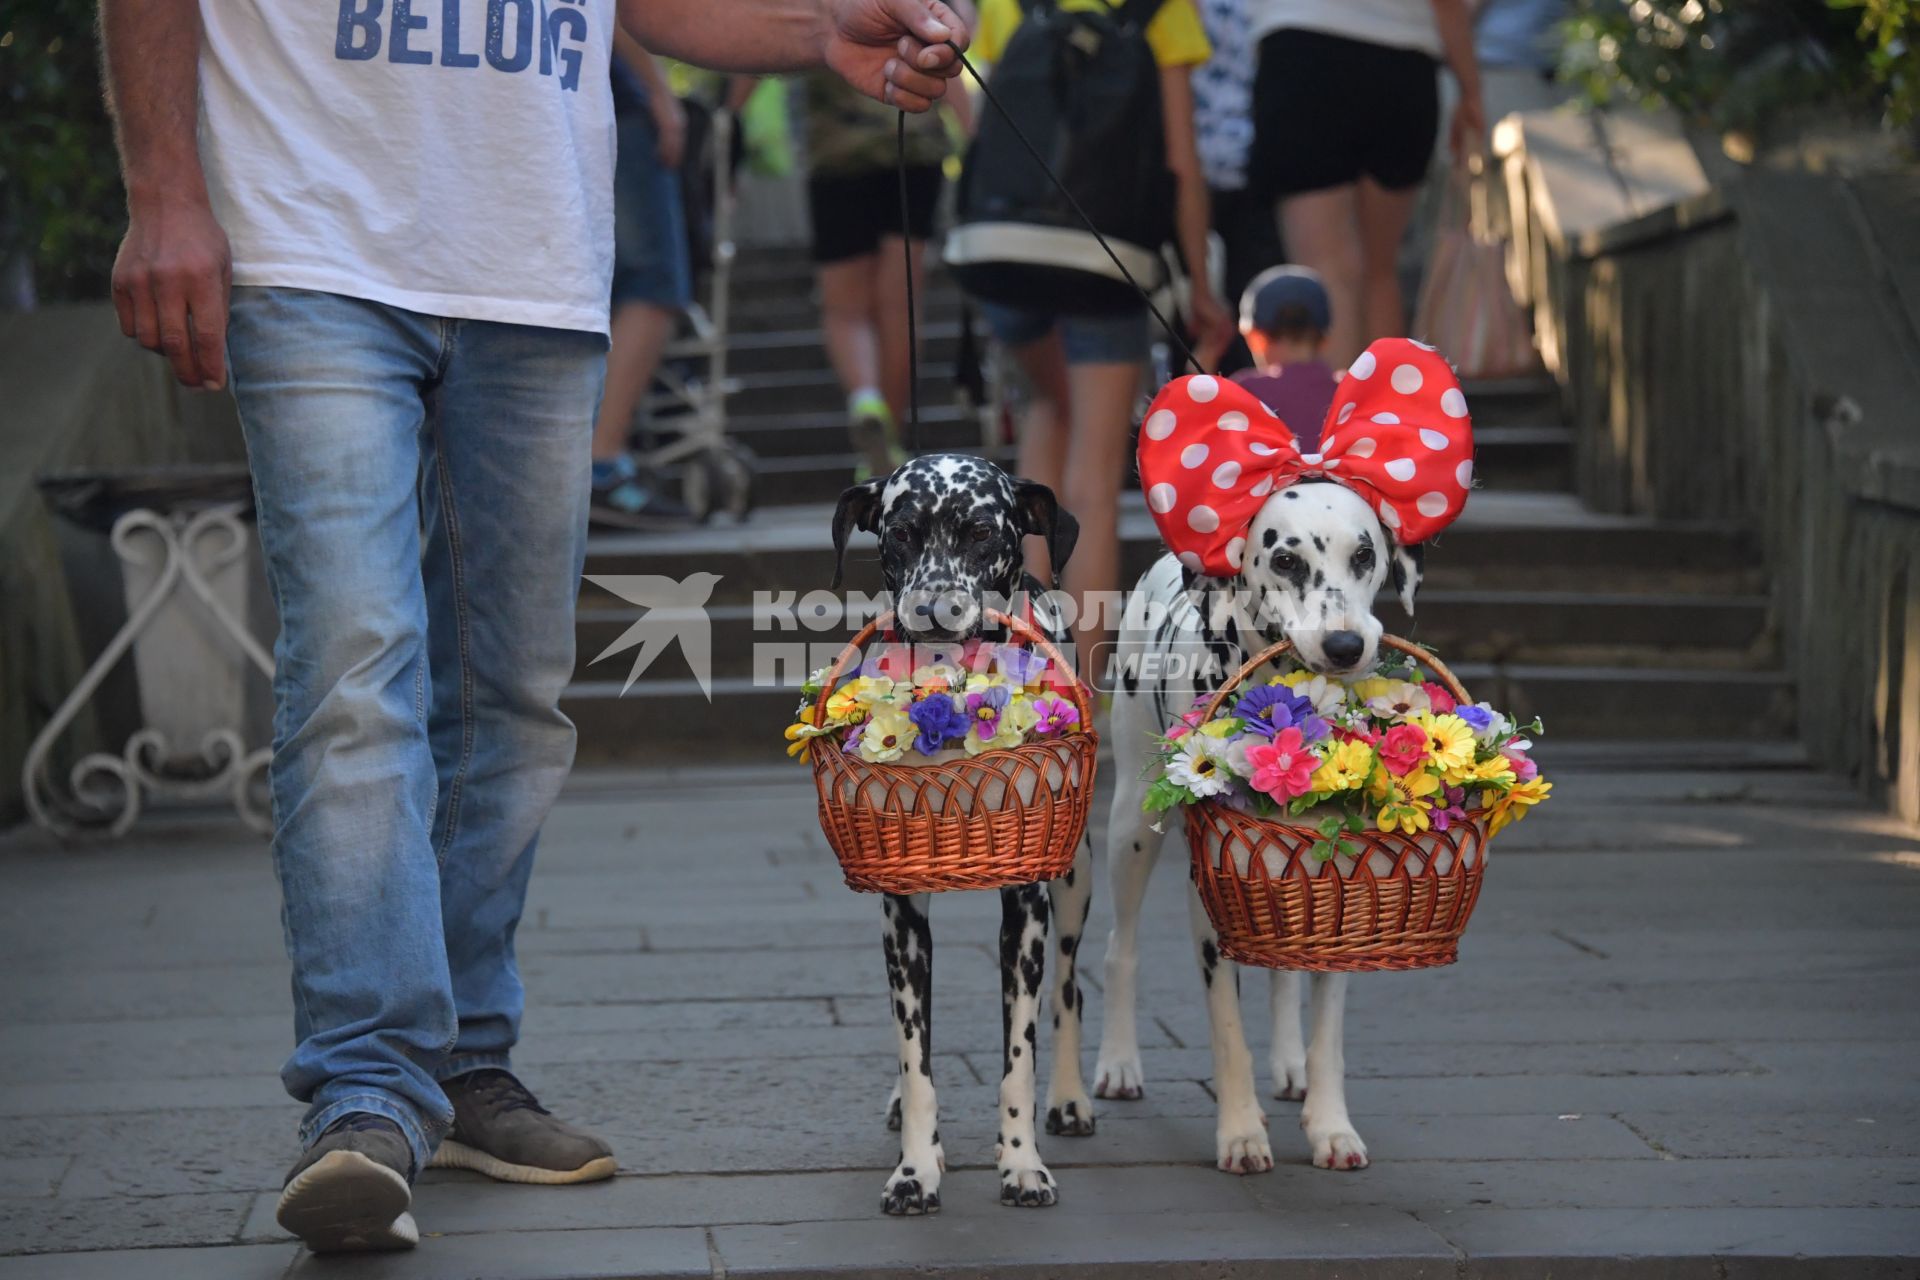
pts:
pixel 1737 63
pixel 1892 31
pixel 61 204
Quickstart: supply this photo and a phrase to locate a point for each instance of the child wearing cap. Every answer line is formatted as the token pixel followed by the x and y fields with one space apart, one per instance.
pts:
pixel 1284 317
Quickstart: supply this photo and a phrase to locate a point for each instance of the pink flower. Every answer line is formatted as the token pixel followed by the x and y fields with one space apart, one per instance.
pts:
pixel 1404 749
pixel 1057 715
pixel 1443 703
pixel 1347 733
pixel 1187 723
pixel 895 662
pixel 1284 767
pixel 1524 770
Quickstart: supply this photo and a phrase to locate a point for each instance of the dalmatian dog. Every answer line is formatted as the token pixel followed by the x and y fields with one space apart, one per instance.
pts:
pixel 951 531
pixel 1272 535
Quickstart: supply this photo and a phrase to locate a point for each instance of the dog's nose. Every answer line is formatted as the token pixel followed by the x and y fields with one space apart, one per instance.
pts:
pixel 1343 647
pixel 923 609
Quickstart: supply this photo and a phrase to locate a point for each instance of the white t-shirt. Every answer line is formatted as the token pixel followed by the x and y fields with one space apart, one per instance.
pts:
pixel 1398 24
pixel 453 157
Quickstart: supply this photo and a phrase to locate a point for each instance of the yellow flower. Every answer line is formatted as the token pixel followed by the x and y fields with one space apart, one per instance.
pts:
pixel 1512 805
pixel 1225 727
pixel 1293 679
pixel 1371 687
pixel 799 735
pixel 1405 801
pixel 1495 771
pixel 887 736
pixel 1348 765
pixel 1449 742
pixel 861 693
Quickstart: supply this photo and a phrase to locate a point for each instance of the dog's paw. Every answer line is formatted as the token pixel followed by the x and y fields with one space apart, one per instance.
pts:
pixel 1290 1080
pixel 1028 1187
pixel 911 1192
pixel 1243 1150
pixel 1119 1077
pixel 1072 1118
pixel 1339 1148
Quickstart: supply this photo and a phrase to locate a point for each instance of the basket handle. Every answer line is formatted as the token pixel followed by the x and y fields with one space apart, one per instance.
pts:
pixel 1261 659
pixel 850 656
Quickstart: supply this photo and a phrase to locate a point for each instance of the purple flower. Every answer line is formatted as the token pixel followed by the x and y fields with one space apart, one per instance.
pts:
pixel 1454 811
pixel 1476 716
pixel 1020 666
pixel 939 722
pixel 984 708
pixel 1269 708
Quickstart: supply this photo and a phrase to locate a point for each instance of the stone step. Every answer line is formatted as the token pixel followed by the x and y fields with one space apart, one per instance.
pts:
pixel 655 721
pixel 1543 628
pixel 1505 541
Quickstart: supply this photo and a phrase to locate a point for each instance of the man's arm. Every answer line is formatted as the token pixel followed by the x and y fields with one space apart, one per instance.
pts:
pixel 893 50
pixel 171 277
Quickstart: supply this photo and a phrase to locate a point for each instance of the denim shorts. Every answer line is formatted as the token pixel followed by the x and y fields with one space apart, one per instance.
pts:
pixel 1120 338
pixel 649 225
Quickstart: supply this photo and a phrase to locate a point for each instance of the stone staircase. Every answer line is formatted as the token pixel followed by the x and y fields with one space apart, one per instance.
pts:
pixel 1611 628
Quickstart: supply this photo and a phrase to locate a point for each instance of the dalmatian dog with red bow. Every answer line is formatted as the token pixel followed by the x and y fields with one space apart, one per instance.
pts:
pixel 1272 535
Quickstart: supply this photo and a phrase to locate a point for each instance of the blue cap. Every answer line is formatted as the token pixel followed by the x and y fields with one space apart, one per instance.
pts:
pixel 1286 288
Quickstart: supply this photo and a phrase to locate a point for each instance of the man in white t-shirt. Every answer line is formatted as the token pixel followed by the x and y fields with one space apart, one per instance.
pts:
pixel 411 201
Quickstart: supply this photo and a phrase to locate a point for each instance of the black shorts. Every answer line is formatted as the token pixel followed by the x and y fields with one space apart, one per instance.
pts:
pixel 1328 110
pixel 853 212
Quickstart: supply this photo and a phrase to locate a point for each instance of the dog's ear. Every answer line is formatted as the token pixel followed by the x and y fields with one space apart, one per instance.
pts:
pixel 1408 565
pixel 859 509
pixel 1041 514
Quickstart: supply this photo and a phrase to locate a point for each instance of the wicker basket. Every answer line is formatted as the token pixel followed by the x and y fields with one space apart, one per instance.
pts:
pixel 1399 902
pixel 1007 816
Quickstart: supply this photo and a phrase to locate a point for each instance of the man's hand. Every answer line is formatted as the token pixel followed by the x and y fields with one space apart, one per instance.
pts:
pixel 670 123
pixel 895 50
pixel 1467 131
pixel 170 285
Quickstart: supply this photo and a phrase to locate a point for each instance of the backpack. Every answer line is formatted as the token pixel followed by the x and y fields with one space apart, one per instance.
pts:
pixel 1084 88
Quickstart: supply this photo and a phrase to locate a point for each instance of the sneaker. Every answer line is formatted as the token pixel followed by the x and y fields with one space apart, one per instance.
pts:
pixel 350 1192
pixel 871 429
pixel 500 1129
pixel 621 499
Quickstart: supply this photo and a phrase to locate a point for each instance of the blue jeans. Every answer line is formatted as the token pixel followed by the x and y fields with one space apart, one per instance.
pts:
pixel 1120 338
pixel 422 494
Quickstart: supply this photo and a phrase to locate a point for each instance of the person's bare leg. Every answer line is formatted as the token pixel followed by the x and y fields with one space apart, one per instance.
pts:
pixel 890 317
pixel 1383 218
pixel 1042 434
pixel 1100 412
pixel 847 293
pixel 1321 230
pixel 640 334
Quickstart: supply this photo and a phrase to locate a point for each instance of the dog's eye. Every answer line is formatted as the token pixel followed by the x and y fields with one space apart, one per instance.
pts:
pixel 1285 562
pixel 1363 559
pixel 980 532
pixel 902 534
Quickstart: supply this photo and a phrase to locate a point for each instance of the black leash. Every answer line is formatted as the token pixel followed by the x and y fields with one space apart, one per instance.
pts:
pixel 913 345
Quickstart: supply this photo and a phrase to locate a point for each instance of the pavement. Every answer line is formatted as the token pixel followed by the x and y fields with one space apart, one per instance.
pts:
pixel 1681 1041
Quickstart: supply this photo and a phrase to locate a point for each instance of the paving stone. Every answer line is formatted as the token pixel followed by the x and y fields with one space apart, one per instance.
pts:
pixel 531 1255
pixel 1794 1133
pixel 232 1262
pixel 1548 1238
pixel 121 1222
pixel 31 1175
pixel 974 1236
pixel 165 1152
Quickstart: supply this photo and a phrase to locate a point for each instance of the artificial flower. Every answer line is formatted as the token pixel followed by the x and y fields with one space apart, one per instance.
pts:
pixel 1348 764
pixel 1398 700
pixel 1404 749
pixel 1224 727
pixel 1495 771
pixel 887 735
pixel 1489 726
pixel 1013 726
pixel 985 703
pixel 1283 768
pixel 799 735
pixel 1196 767
pixel 1329 697
pixel 939 720
pixel 1512 804
pixel 1405 802
pixel 1054 716
pixel 1454 809
pixel 1449 742
pixel 1018 665
pixel 1267 709
pixel 1438 699
pixel 863 693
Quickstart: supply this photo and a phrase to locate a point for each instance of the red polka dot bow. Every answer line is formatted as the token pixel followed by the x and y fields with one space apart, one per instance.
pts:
pixel 1397 434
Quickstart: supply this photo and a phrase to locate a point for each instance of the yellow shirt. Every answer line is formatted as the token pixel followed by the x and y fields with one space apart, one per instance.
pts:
pixel 1175 34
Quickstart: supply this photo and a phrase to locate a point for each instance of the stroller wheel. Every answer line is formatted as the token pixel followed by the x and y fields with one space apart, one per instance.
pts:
pixel 734 463
pixel 700 485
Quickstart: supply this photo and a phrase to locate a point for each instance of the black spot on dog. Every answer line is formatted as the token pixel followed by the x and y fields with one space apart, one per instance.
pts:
pixel 1014 1112
pixel 1269 537
pixel 1293 493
